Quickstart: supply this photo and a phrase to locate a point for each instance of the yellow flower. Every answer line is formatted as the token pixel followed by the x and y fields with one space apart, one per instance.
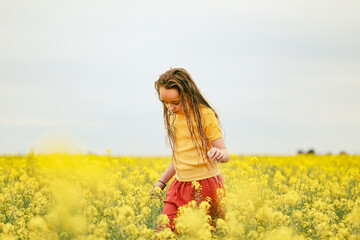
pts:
pixel 354 217
pixel 193 223
pixel 163 219
pixel 283 233
pixel 196 185
pixel 97 197
pixel 37 223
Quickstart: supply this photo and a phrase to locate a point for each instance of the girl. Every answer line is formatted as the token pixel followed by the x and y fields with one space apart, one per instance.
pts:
pixel 196 141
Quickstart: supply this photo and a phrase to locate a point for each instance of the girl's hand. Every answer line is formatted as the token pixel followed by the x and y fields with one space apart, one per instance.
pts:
pixel 156 190
pixel 216 154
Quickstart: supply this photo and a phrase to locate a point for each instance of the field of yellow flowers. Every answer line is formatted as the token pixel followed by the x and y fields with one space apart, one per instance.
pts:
pixel 63 196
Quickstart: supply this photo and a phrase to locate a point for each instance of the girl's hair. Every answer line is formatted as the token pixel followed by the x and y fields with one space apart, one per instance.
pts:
pixel 191 101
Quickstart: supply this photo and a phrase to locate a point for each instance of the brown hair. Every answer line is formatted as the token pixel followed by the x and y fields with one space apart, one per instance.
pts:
pixel 191 101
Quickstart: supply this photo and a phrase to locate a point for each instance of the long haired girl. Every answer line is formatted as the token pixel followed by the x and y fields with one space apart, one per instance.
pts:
pixel 197 144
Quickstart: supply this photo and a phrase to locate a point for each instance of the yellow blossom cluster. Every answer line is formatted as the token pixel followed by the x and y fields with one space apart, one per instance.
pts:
pixel 67 196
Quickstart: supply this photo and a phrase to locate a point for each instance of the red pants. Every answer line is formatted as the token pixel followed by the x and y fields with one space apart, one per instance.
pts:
pixel 180 193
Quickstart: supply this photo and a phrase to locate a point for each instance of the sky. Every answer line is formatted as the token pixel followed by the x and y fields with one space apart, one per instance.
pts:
pixel 78 76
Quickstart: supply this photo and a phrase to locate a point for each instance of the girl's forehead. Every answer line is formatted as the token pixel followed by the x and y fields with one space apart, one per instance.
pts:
pixel 169 94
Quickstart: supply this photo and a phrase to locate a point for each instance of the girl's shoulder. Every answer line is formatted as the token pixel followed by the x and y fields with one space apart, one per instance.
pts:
pixel 206 110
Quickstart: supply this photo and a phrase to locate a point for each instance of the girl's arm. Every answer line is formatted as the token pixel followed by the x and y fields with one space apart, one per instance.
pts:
pixel 168 174
pixel 219 151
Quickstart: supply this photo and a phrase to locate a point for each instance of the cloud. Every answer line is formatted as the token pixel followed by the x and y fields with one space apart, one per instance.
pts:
pixel 44 122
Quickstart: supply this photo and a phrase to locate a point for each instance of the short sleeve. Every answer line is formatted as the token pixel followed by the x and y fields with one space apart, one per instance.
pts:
pixel 211 127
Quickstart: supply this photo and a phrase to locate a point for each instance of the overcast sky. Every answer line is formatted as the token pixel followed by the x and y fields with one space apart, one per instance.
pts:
pixel 282 75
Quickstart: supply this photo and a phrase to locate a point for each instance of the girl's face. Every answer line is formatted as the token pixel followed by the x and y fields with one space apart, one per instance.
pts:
pixel 171 99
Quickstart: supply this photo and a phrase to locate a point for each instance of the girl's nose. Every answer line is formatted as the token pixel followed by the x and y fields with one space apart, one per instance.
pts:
pixel 171 107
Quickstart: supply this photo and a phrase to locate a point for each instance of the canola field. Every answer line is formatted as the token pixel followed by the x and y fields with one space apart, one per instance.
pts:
pixel 64 196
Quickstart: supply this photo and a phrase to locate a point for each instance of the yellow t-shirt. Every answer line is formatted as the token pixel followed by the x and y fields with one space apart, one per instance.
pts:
pixel 189 165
